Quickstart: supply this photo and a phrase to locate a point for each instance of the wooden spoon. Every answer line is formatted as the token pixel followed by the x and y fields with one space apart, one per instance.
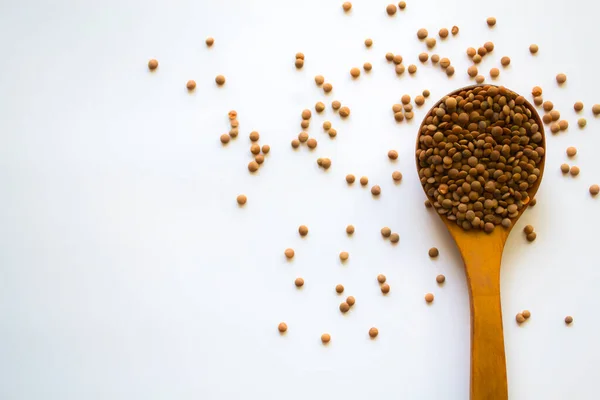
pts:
pixel 482 255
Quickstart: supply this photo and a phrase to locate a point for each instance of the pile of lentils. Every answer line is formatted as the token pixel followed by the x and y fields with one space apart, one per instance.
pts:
pixel 479 152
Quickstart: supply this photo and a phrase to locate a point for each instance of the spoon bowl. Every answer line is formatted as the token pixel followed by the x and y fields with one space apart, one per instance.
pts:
pixel 482 254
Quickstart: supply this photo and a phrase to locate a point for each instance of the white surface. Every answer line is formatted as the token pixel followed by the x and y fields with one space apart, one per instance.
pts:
pixel 127 270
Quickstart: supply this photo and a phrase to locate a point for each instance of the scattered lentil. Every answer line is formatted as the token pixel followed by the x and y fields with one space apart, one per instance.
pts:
pixel 454 30
pixel 430 42
pixel 533 48
pixel 344 112
pixel 355 72
pixel 491 21
pixel 220 80
pixel 422 33
pixel 152 64
pixel 568 320
pixel 373 332
pixel 299 282
pixel 325 163
pixel 443 33
pixel 299 63
pixel 488 46
pixel 399 69
pixel 326 337
pixel 526 314
pixel 574 170
pixel 336 105
pixel 494 72
pixel 596 109
pixel 402 5
pixel 255 149
pixel 571 151
pixel 364 180
pixel 225 138
pixel 295 143
pixel 252 166
pixel 282 327
pixel 368 42
pixel 386 232
pixel 435 59
pixel 344 255
pixel 350 229
pixel 479 79
pixel 538 100
pixel 429 297
pixel 477 58
pixel 563 124
pixel 440 279
pixel 367 66
pixel 426 93
pixel 319 80
pixel 350 178
pixel 561 78
pixel 520 318
pixel 505 61
pixel 259 159
pixel 391 9
pixel 531 236
pixel 389 56
pixel 578 106
pixel 376 190
pixel 327 87
pixel 385 288
pixel 594 189
pixel 482 51
pixel 397 59
pixel 394 238
pixel 392 154
pixel 303 137
pixel 381 278
pixel 472 71
pixel 444 62
pixel 241 199
pixel 423 57
pixel 565 168
pixel 311 143
pixel 350 300
pixel 254 136
pixel 339 288
pixel 303 230
pixel 471 52
pixel 450 70
pixel 397 176
pixel 344 307
pixel 347 6
pixel 190 85
pixel 289 253
pixel 434 252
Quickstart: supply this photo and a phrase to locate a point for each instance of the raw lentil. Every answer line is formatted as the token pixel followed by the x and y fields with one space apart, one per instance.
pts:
pixel 364 180
pixel 409 115
pixel 355 72
pixel 538 100
pixel 295 143
pixel 350 300
pixel 443 33
pixel 319 80
pixel 482 51
pixel 426 93
pixel 450 70
pixel 347 6
pixel 325 163
pixel 394 238
pixel 494 72
pixel 241 199
pixel 344 307
pixel 477 58
pixel 254 136
pixel 389 56
pixel 571 151
pixel 299 63
pixel 594 189
pixel 419 100
pixel 386 232
pixel 326 125
pixel 563 124
pixel 303 230
pixel 520 318
pixel 319 107
pixel 225 138
pixel 344 112
pixel 350 178
pixel 434 252
pixel 574 170
pixel 392 154
pixel 344 255
pixel 373 332
pixel 289 253
pixel 479 79
pixel 444 62
pixel 531 236
pixel 303 137
pixel 568 320
pixel 423 57
pixel 528 229
pixel 368 42
pixel 376 190
pixel 326 337
pixel 385 288
pixel 491 21
pixel 533 48
pixel 435 59
pixel 381 278
pixel 252 166
pixel 429 297
pixel 152 64
pixel 402 5
pixel 454 30
pixel 578 106
pixel 561 78
pixel 350 229
pixel 397 59
pixel 305 124
pixel 488 46
pixel 220 80
pixel 190 85
pixel 472 71
pixel 259 159
pixel 596 109
pixel 526 314
pixel 327 87
pixel 422 33
pixel 282 327
pixel 299 282
pixel 565 168
pixel 339 288
pixel 430 42
pixel 336 105
pixel 255 149
pixel 440 279
pixel 399 69
pixel 300 56
pixel 311 143
pixel 505 61
pixel 367 66
pixel 397 176
pixel 471 52
pixel 391 9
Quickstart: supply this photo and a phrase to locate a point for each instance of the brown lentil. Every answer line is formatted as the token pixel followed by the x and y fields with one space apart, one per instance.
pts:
pixel 367 66
pixel 526 314
pixel 344 307
pixel 419 100
pixel 350 229
pixel 444 62
pixel 392 154
pixel 282 327
pixel 152 64
pixel 350 178
pixel 561 78
pixel 339 289
pixel 220 80
pixel 443 33
pixel 547 106
pixel 531 236
pixel 325 163
pixel 311 143
pixel 252 166
pixel 423 57
pixel 254 136
pixel 482 51
pixel 347 6
pixel 555 115
pixel 381 278
pixel 225 138
pixel 350 300
pixel 385 288
pixel 571 151
pixel 596 109
pixel 422 33
pixel 426 93
pixel 190 85
pixel 355 72
pixel 494 72
pixel 259 159
pixel 471 52
pixel 289 253
pixel 402 5
pixel 488 46
pixel 574 170
pixel 533 48
pixel 386 232
pixel 319 80
pixel 303 230
pixel 427 204
pixel 305 124
pixel 477 58
pixel 327 87
pixel 389 56
pixel 241 199
pixel 299 282
pixel 299 63
pixel 319 107
pixel 326 337
pixel 491 21
pixel 505 61
pixel 336 105
pixel 538 100
pixel 473 176
pixel 344 255
pixel 450 70
pixel 405 99
pixel 479 79
pixel 344 112
pixel 564 168
pixel 368 42
pixel 373 332
pixel 295 143
pixel 435 59
pixel 376 190
pixel 300 55
pixel 430 42
pixel 332 133
pixel 399 69
pixel 472 71
pixel 364 180
pixel 409 115
pixel 399 116
pixel 391 9
pixel 394 238
pixel 594 189
pixel 255 149
pixel 568 320
pixel 326 125
pixel 520 318
pixel 440 279
pixel 303 137
pixel 397 176
pixel 563 124
pixel 434 252
pixel 454 30
pixel 528 229
pixel 429 297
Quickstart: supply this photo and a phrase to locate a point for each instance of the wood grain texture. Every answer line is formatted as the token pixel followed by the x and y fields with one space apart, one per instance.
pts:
pixel 482 256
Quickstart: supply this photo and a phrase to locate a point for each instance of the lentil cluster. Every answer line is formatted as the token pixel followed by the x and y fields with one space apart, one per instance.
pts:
pixel 479 152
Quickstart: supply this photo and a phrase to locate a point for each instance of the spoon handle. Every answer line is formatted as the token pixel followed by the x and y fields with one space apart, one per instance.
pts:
pixel 488 361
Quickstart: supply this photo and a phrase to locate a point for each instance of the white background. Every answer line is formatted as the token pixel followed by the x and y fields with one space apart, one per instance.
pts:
pixel 127 270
